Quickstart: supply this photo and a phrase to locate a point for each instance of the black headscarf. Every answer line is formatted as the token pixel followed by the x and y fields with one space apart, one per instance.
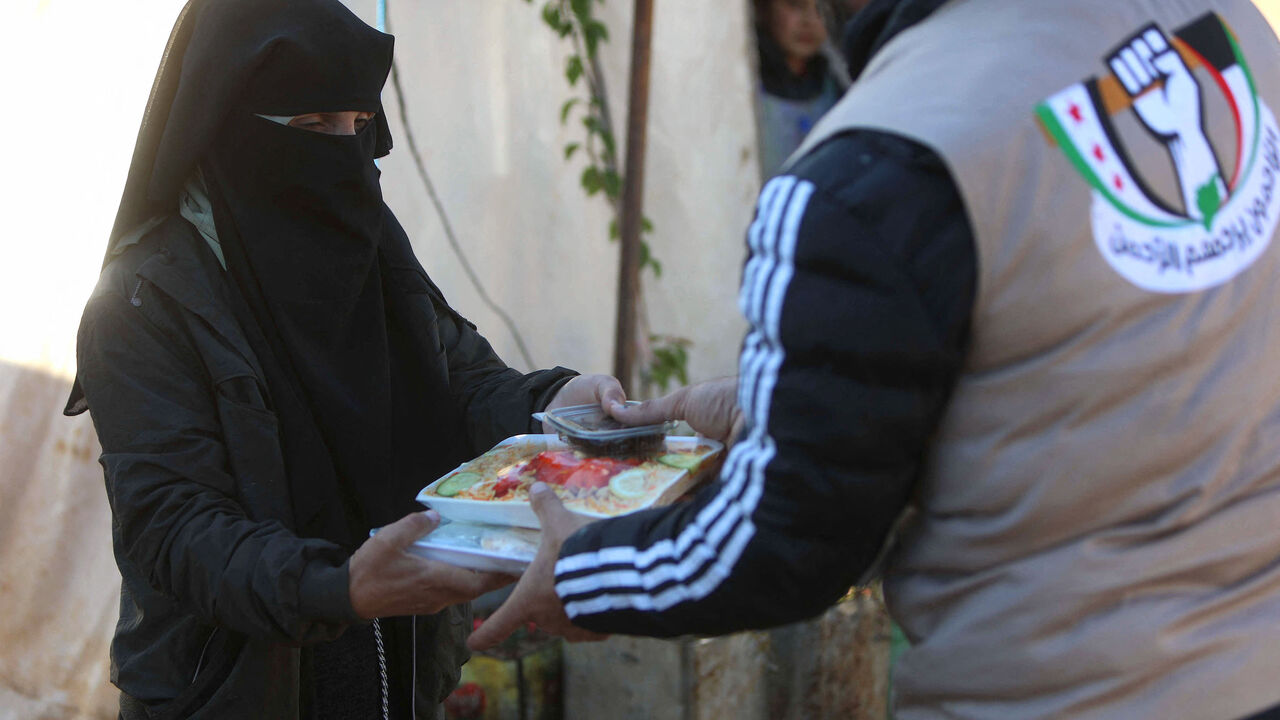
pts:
pixel 285 57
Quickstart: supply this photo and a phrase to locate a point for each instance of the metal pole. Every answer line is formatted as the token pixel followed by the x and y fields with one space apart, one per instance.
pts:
pixel 624 349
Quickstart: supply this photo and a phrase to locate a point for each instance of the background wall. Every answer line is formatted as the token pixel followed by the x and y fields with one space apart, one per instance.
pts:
pixel 484 85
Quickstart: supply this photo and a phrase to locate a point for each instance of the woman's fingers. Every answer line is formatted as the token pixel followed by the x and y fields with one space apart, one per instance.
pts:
pixel 403 532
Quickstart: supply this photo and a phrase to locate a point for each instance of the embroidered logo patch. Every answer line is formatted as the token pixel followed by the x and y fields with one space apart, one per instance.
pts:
pixel 1217 214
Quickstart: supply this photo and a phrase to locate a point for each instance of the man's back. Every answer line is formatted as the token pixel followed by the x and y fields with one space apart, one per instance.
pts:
pixel 1097 531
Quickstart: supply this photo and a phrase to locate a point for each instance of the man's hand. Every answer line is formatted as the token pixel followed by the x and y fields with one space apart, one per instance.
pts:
pixel 534 598
pixel 710 408
pixel 385 581
pixel 604 390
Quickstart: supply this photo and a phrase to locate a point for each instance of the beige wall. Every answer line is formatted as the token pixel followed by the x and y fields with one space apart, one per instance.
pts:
pixel 484 84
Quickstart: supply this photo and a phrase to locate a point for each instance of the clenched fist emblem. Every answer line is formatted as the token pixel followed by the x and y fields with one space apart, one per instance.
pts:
pixel 1166 98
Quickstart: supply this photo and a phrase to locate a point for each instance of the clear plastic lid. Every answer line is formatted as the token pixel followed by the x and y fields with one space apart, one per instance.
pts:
pixel 590 429
pixel 591 421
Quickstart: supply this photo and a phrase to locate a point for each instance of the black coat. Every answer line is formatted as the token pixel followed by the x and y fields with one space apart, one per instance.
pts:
pixel 218 592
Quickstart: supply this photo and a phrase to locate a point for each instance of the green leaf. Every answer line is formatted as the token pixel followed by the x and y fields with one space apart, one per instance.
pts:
pixel 582 10
pixel 592 180
pixel 566 107
pixel 612 183
pixel 570 149
pixel 646 225
pixel 613 229
pixel 670 361
pixel 607 137
pixel 573 69
pixel 594 32
pixel 597 29
pixel 648 260
pixel 551 16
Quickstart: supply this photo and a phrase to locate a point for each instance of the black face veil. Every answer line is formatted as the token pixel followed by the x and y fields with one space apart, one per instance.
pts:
pixel 306 235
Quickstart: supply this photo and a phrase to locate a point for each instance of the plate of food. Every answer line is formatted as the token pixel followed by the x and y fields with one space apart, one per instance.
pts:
pixel 494 488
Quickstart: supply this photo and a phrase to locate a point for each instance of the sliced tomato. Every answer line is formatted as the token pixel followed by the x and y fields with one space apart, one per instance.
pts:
pixel 553 466
pixel 506 484
pixel 595 472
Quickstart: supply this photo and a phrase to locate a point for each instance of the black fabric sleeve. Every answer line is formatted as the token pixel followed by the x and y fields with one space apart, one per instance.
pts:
pixel 858 293
pixel 497 401
pixel 172 494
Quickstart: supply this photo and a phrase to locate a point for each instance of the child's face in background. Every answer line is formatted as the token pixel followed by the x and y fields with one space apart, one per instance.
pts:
pixel 797 27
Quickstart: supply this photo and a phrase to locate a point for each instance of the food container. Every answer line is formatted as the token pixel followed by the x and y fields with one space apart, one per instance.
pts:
pixel 605 487
pixel 588 429
pixel 480 547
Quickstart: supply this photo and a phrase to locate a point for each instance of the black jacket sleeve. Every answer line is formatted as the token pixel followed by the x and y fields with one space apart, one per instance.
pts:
pixel 497 401
pixel 858 291
pixel 172 494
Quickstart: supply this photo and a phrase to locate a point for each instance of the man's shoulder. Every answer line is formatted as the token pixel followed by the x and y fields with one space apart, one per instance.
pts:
pixel 861 165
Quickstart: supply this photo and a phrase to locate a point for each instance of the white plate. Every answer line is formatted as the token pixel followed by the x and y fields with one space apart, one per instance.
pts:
pixel 470 559
pixel 520 514
pixel 480 547
pixel 510 550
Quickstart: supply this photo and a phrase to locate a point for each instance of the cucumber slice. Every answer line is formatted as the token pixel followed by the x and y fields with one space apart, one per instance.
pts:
pixel 684 461
pixel 628 484
pixel 456 484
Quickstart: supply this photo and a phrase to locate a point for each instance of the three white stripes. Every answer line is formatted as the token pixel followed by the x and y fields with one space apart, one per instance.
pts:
pixel 772 239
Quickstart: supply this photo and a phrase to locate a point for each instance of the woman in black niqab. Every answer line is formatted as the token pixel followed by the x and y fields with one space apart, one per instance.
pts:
pixel 303 228
pixel 309 247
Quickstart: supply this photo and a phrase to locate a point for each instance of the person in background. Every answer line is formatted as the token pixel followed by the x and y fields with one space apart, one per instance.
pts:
pixel 272 376
pixel 798 80
pixel 965 295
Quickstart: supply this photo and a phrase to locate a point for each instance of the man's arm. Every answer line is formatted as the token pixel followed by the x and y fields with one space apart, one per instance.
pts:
pixel 858 293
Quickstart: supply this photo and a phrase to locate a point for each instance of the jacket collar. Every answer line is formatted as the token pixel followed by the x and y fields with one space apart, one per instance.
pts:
pixel 878 23
pixel 185 269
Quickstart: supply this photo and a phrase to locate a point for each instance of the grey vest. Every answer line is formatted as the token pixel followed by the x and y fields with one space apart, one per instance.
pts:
pixel 1098 533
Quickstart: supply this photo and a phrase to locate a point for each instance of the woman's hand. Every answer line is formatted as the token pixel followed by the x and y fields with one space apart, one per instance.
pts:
pixel 603 390
pixel 385 580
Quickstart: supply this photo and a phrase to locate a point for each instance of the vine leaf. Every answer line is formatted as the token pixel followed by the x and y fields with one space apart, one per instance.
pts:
pixel 566 107
pixel 573 69
pixel 592 180
pixel 612 183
